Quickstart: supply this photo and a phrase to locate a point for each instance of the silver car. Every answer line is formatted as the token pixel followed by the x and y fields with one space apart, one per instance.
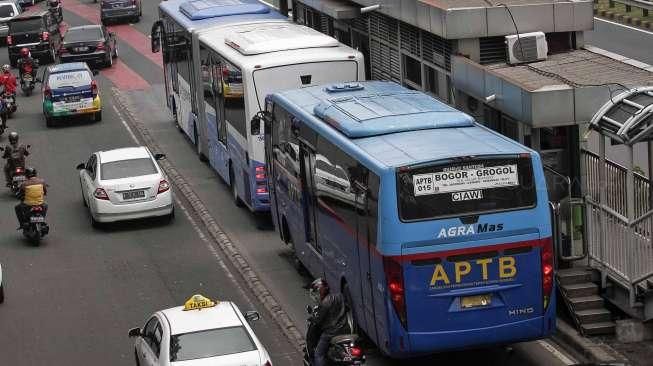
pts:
pixel 8 10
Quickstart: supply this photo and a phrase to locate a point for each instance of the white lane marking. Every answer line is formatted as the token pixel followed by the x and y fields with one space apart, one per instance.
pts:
pixel 211 247
pixel 623 25
pixel 195 226
pixel 554 351
pixel 124 123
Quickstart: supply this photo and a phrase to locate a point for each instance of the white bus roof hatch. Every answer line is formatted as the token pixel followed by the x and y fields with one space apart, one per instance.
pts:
pixel 277 37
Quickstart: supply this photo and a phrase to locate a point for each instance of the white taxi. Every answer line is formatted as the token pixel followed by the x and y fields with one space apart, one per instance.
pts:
pixel 202 332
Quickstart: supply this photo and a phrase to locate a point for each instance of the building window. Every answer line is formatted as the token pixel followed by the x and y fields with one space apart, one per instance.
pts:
pixel 412 72
pixel 432 84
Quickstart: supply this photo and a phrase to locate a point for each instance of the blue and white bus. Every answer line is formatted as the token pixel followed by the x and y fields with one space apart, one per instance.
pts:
pixel 436 229
pixel 241 64
pixel 175 34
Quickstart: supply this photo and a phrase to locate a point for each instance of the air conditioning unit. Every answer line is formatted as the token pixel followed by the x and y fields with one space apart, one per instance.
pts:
pixel 527 47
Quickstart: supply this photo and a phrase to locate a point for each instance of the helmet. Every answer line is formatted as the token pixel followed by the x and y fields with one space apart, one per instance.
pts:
pixel 6 68
pixel 24 52
pixel 30 172
pixel 13 138
pixel 318 288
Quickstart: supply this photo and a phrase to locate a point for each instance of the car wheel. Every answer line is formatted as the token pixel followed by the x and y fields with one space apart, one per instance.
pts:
pixel 138 363
pixel 13 62
pixel 234 189
pixel 351 315
pixel 33 2
pixel 81 187
pixel 109 61
pixel 97 116
pixel 171 217
pixel 94 223
pixel 2 294
pixel 49 121
pixel 115 51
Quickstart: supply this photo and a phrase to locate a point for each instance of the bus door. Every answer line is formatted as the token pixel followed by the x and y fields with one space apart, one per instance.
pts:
pixel 365 312
pixel 310 253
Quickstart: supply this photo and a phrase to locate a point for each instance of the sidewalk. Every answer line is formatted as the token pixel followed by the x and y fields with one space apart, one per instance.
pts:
pixel 260 244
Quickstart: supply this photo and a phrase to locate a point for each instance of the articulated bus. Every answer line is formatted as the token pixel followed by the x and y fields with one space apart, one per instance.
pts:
pixel 436 229
pixel 175 34
pixel 240 65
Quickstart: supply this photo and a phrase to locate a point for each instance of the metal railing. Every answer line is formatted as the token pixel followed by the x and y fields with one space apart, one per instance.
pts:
pixel 644 5
pixel 621 248
pixel 616 176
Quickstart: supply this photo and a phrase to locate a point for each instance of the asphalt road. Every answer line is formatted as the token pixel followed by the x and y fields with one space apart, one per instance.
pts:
pixel 71 301
pixel 621 39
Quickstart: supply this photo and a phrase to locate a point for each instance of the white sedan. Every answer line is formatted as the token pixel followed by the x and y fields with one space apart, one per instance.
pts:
pixel 200 333
pixel 125 184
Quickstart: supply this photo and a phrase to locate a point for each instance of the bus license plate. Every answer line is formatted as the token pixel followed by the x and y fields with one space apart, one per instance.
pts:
pixel 37 219
pixel 133 195
pixel 475 301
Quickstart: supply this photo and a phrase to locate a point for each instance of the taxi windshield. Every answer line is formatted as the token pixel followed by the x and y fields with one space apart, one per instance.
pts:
pixel 210 343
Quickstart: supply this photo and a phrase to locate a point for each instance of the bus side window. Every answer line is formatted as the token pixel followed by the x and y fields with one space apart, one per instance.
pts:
pixel 217 85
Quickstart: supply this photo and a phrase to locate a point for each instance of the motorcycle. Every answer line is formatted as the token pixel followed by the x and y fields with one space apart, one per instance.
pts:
pixel 27 79
pixel 3 116
pixel 17 175
pixel 54 6
pixel 343 349
pixel 35 227
pixel 10 104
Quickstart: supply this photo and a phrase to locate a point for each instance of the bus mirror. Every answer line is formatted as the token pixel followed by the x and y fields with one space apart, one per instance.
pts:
pixel 255 126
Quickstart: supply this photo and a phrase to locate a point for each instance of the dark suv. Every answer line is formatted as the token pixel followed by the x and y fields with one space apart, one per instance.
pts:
pixel 37 31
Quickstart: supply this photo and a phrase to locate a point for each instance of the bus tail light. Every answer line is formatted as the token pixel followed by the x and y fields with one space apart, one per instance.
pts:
pixel 262 189
pixel 10 41
pixel 260 172
pixel 546 255
pixel 395 278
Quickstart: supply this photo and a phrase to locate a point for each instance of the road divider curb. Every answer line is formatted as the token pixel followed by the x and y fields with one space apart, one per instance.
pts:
pixel 229 249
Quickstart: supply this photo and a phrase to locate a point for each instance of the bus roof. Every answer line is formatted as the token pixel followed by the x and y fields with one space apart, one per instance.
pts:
pixel 277 37
pixel 249 45
pixel 393 125
pixel 193 14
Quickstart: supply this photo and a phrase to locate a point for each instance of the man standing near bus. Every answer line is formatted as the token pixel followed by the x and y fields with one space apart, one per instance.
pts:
pixel 330 318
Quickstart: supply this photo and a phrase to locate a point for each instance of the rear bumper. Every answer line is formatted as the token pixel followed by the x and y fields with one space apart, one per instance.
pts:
pixel 422 343
pixel 109 212
pixel 95 58
pixel 119 13
pixel 37 50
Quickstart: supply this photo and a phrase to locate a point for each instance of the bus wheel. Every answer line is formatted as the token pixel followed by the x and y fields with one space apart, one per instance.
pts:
pixel 351 316
pixel 234 189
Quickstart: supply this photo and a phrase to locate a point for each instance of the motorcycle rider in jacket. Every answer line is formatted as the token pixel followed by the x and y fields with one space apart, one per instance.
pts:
pixel 14 155
pixel 8 80
pixel 32 193
pixel 330 318
pixel 24 60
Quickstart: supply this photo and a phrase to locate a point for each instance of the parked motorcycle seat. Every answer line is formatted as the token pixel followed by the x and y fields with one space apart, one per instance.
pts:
pixel 344 339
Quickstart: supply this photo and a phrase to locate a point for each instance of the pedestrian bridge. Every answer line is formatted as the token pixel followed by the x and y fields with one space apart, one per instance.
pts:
pixel 619 204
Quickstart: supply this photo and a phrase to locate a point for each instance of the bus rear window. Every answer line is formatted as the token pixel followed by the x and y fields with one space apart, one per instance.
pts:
pixel 465 188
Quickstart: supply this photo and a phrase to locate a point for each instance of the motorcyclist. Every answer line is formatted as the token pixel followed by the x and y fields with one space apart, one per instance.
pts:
pixel 32 193
pixel 330 318
pixel 8 80
pixel 15 155
pixel 24 60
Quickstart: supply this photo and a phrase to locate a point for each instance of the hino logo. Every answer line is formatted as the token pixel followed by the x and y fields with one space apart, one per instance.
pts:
pixel 468 230
pixel 522 311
